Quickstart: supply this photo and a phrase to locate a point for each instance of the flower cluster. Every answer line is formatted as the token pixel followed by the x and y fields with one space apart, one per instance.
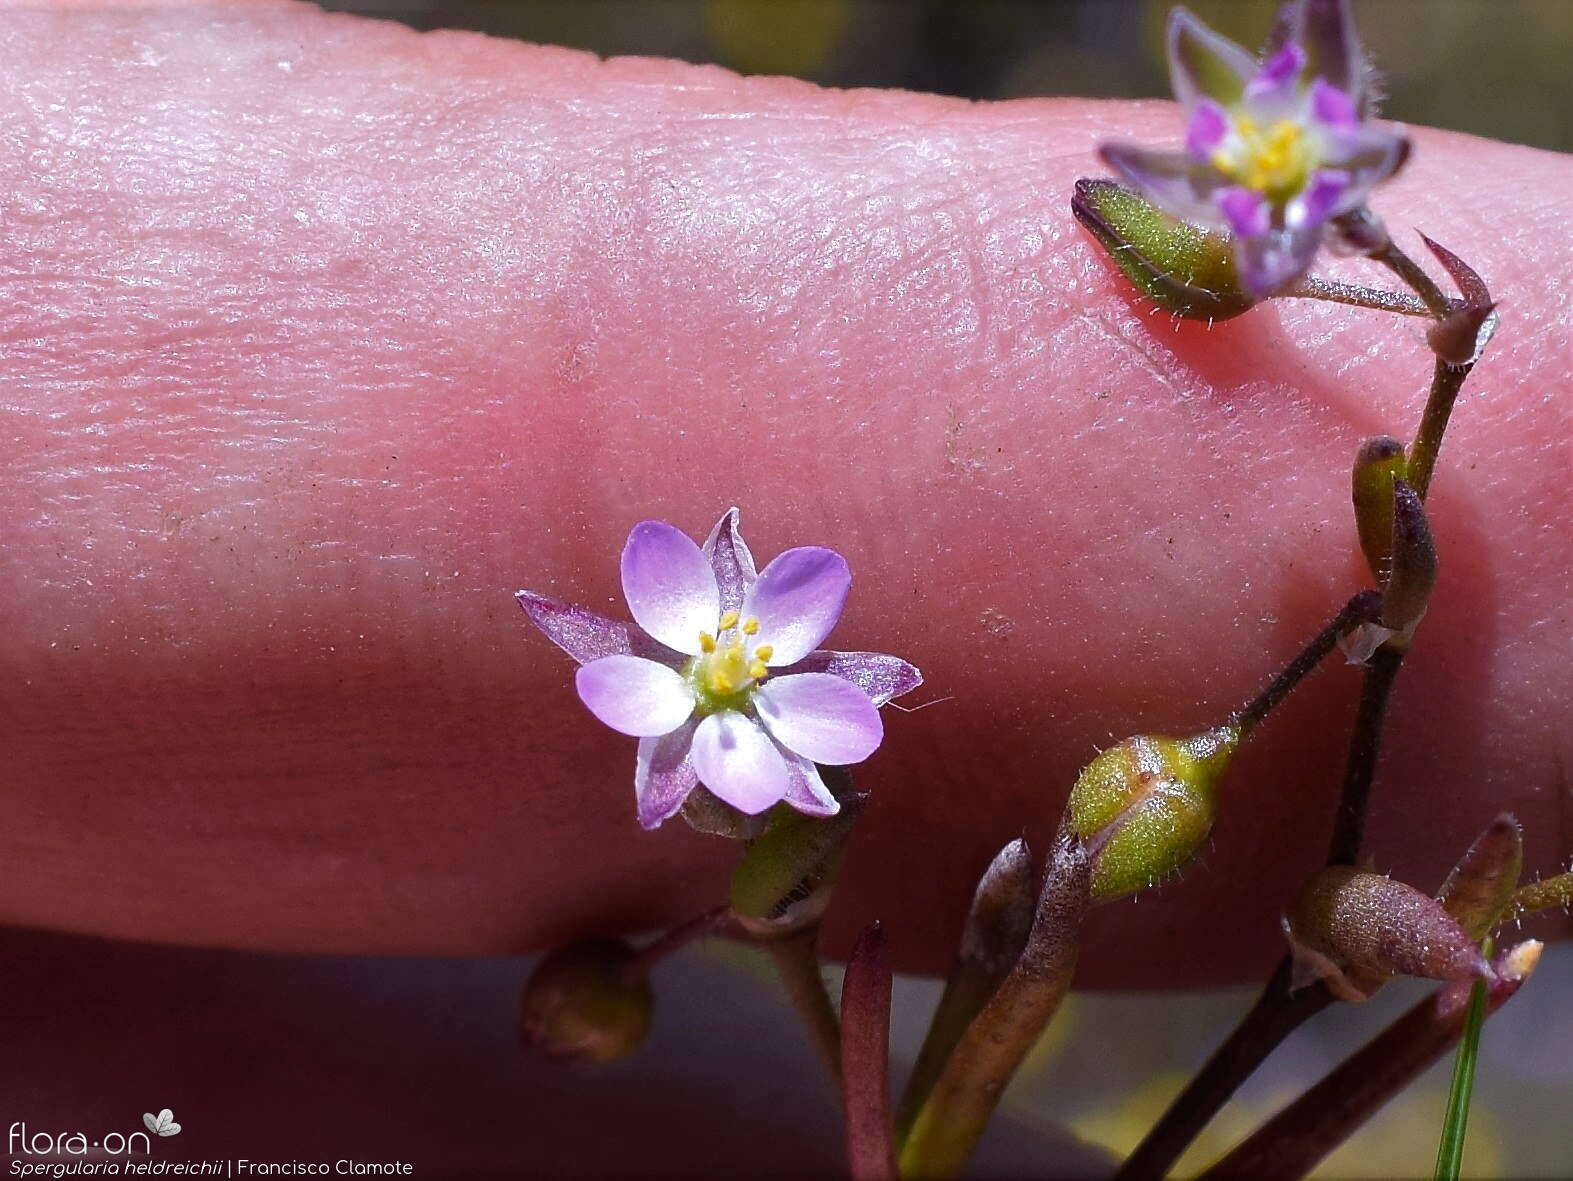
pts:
pixel 1273 150
pixel 722 681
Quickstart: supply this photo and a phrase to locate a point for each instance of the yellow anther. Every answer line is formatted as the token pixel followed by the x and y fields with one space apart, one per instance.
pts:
pixel 706 642
pixel 757 670
pixel 750 625
pixel 764 652
pixel 729 620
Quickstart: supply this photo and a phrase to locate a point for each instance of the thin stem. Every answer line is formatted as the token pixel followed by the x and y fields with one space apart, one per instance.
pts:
pixel 1450 1152
pixel 1374 298
pixel 1362 608
pixel 1445 384
pixel 1276 1014
pixel 1364 747
pixel 680 936
pixel 1542 895
pixel 1295 1140
pixel 865 1059
pixel 1415 278
pixel 797 960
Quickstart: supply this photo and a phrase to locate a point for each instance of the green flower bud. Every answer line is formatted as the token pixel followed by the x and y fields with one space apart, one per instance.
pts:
pixel 587 1002
pixel 784 881
pixel 1379 462
pixel 1184 269
pixel 1145 806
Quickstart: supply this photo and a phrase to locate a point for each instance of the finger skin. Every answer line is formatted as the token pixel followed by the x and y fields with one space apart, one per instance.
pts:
pixel 320 337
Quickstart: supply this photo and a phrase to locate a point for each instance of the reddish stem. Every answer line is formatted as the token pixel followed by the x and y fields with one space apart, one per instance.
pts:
pixel 865 1059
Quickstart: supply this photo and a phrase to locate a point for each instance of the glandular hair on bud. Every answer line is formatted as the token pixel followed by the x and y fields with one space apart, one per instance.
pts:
pixel 589 1001
pixel 1145 806
pixel 1184 269
pixel 1355 929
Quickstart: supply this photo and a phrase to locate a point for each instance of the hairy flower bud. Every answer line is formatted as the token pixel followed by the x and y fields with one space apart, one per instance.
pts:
pixel 589 1001
pixel 1145 805
pixel 1182 268
pixel 1355 929
pixel 1408 591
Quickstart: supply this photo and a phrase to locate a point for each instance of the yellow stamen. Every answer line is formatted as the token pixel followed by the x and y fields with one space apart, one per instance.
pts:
pixel 729 620
pixel 706 642
pixel 750 625
pixel 757 670
pixel 764 652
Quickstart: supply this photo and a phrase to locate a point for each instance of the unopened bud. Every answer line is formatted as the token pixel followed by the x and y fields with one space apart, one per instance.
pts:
pixel 1354 929
pixel 587 1002
pixel 1379 462
pixel 1144 806
pixel 1460 337
pixel 1183 269
pixel 1409 586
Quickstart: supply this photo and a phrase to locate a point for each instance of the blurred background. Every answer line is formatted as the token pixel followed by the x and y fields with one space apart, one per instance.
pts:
pixel 317 1058
pixel 1493 67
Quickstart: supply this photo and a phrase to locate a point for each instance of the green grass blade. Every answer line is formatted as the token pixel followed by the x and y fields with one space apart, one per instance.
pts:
pixel 1450 1153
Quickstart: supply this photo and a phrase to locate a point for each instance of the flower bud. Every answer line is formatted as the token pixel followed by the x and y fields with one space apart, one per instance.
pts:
pixel 1145 805
pixel 1409 586
pixel 1378 463
pixel 1479 891
pixel 587 1002
pixel 1354 929
pixel 1184 269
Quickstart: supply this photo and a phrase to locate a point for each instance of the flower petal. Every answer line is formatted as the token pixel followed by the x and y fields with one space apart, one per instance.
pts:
pixel 635 696
pixel 669 585
pixel 820 717
pixel 1327 31
pixel 1207 128
pixel 797 599
pixel 664 774
pixel 880 676
pixel 737 761
pixel 1279 77
pixel 806 791
pixel 1369 155
pixel 1323 196
pixel 1204 65
pixel 1245 210
pixel 583 634
pixel 1269 262
pixel 730 559
pixel 1174 181
pixel 1333 109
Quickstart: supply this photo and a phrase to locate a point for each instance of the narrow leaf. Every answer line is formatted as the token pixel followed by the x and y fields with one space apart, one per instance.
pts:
pixel 865 1059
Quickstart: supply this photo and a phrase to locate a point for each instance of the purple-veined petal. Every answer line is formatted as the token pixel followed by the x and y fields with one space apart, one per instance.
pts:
pixel 1245 210
pixel 1333 109
pixel 1204 65
pixel 1323 194
pixel 730 560
pixel 797 599
pixel 582 634
pixel 806 791
pixel 1271 261
pixel 635 696
pixel 820 717
pixel 669 585
pixel 1207 128
pixel 737 761
pixel 664 774
pixel 880 676
pixel 1279 77
pixel 1173 181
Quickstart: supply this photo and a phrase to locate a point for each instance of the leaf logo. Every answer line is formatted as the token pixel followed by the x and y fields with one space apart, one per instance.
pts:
pixel 163 1123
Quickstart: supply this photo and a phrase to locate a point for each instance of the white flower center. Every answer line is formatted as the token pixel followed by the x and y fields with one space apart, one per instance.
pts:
pixel 730 663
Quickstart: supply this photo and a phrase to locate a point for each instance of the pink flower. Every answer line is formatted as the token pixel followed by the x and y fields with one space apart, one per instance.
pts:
pixel 722 681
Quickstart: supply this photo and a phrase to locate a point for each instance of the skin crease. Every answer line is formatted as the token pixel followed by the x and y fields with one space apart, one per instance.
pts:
pixel 320 337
